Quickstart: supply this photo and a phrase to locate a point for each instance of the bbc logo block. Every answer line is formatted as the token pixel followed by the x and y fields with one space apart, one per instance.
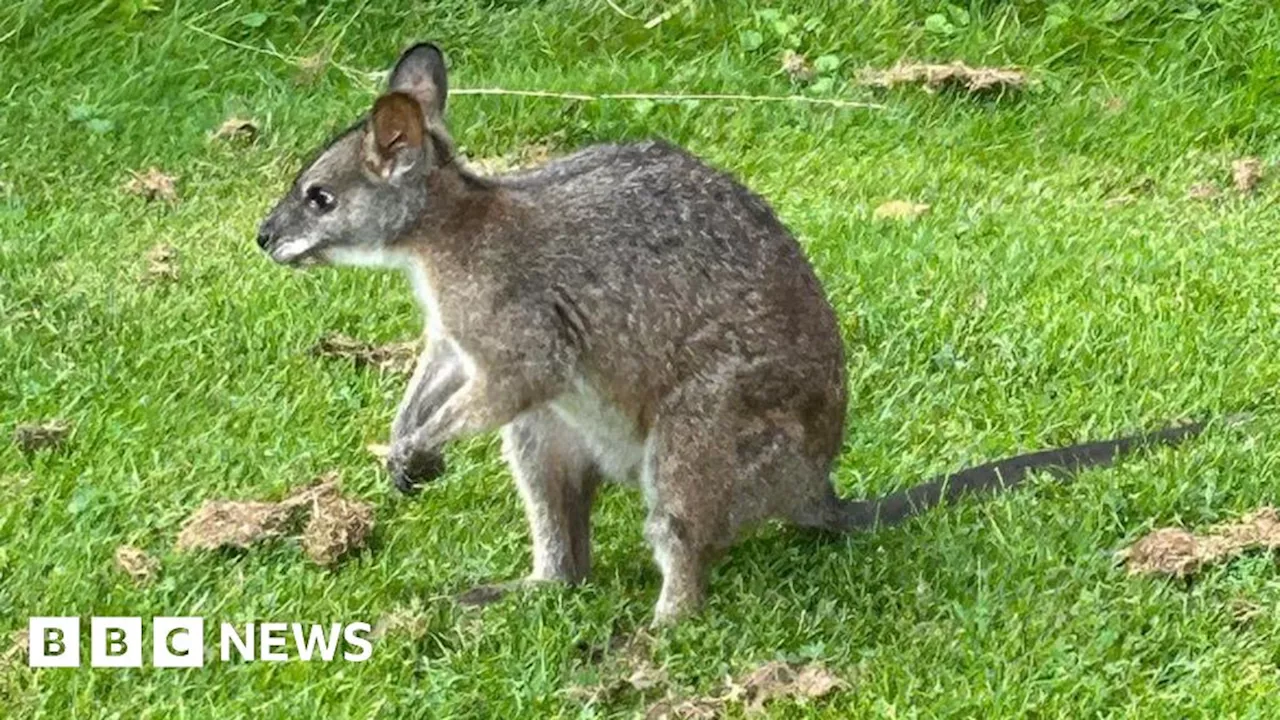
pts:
pixel 115 642
pixel 177 642
pixel 54 642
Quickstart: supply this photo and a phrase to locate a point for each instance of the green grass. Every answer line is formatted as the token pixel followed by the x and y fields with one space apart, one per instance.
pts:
pixel 1022 312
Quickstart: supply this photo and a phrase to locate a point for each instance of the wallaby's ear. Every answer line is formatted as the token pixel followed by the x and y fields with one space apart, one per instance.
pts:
pixel 420 74
pixel 393 140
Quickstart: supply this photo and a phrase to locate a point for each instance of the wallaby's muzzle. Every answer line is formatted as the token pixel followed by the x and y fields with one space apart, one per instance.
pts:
pixel 277 237
pixel 269 230
pixel 265 237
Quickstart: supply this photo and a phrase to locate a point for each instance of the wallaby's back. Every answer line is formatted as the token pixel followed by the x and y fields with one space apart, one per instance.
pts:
pixel 666 267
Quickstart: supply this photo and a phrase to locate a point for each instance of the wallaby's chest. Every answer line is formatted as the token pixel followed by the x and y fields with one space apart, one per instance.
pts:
pixel 613 437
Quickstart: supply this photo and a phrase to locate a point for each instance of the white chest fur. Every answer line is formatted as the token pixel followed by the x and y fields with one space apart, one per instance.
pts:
pixel 426 298
pixel 613 438
pixel 379 258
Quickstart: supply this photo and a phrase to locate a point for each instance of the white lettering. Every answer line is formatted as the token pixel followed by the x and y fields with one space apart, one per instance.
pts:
pixel 230 637
pixel 353 635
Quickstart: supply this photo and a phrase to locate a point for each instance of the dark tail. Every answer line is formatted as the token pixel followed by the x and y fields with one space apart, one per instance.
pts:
pixel 855 515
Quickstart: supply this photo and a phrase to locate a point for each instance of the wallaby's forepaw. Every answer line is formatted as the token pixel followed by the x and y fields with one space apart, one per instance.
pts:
pixel 490 593
pixel 410 468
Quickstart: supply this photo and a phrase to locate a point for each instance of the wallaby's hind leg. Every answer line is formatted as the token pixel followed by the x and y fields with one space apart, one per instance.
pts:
pixel 688 478
pixel 684 540
pixel 723 456
pixel 557 479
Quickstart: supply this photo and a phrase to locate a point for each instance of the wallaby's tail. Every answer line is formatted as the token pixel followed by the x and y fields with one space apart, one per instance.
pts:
pixel 854 515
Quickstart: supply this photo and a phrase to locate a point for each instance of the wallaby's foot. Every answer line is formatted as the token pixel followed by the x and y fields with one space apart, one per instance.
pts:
pixel 672 608
pixel 410 468
pixel 683 590
pixel 490 593
pixel 684 568
pixel 487 594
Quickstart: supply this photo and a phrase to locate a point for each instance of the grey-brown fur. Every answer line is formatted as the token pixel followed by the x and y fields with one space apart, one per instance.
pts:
pixel 625 312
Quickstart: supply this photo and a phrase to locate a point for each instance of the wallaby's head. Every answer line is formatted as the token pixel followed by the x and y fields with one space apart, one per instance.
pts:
pixel 361 192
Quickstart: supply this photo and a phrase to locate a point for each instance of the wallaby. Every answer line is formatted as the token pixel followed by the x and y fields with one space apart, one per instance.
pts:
pixel 625 312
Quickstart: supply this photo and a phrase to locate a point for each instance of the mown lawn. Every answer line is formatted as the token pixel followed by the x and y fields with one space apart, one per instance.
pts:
pixel 1029 307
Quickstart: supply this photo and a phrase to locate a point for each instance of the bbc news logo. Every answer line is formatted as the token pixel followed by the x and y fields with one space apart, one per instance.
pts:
pixel 179 642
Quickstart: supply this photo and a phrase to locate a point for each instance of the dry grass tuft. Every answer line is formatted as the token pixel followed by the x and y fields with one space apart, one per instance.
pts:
pixel 685 709
pixel 338 525
pixel 1180 553
pixel 1246 173
pixel 335 525
pixel 399 357
pixel 47 435
pixel 152 184
pixel 523 158
pixel 900 210
pixel 19 645
pixel 410 621
pixel 771 681
pixel 955 75
pixel 137 564
pixel 236 128
pixel 233 524
pixel 775 680
pixel 312 67
pixel 1203 191
pixel 162 263
pixel 627 666
pixel 797 67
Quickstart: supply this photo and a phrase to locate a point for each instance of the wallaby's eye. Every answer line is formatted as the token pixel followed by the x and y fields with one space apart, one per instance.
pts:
pixel 319 199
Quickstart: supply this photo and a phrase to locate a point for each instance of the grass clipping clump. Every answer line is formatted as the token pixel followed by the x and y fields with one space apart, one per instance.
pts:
pixel 152 184
pixel 398 357
pixel 162 263
pixel 770 682
pixel 331 525
pixel 48 435
pixel 136 563
pixel 1181 553
pixel 337 526
pixel 955 75
pixel 627 666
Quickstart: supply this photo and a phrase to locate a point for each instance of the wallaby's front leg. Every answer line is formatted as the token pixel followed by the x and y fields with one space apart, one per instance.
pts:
pixel 486 401
pixel 492 381
pixel 438 376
